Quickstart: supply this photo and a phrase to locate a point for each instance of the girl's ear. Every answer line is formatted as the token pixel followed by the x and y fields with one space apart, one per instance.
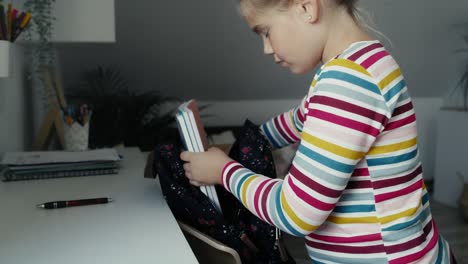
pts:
pixel 310 9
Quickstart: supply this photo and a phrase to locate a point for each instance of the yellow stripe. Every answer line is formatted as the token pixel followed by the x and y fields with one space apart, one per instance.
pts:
pixel 245 186
pixel 352 220
pixel 393 147
pixel 314 82
pixel 348 64
pixel 303 225
pixel 390 78
pixel 394 217
pixel 333 148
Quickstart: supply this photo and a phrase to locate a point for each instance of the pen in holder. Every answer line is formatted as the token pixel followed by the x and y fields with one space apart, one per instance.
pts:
pixel 76 127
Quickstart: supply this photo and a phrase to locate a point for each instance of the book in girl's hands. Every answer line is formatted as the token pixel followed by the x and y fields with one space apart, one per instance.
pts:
pixel 194 139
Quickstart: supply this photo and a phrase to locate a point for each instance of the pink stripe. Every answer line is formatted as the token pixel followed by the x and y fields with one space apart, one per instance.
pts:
pixel 347 249
pixel 301 114
pixel 413 243
pixel 309 199
pixel 264 201
pixel 257 198
pixel 398 180
pixel 360 172
pixel 349 107
pixel 397 124
pixel 374 58
pixel 228 174
pixel 314 185
pixel 363 51
pixel 286 127
pixel 359 184
pixel 280 130
pixel 387 196
pixel 349 123
pixel 420 254
pixel 354 239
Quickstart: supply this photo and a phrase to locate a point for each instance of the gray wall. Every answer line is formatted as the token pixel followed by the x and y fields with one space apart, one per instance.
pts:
pixel 15 122
pixel 203 49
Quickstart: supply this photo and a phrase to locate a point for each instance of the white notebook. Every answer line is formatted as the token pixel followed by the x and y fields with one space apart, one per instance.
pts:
pixel 51 157
pixel 195 140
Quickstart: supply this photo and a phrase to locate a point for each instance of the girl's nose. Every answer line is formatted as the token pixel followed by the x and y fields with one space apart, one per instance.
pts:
pixel 267 49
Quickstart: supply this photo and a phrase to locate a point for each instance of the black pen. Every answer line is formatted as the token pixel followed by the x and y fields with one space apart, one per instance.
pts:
pixel 71 203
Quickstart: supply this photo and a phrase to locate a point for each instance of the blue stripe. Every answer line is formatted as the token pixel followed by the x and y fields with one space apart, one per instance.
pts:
pixel 394 159
pixel 269 136
pixel 333 164
pixel 404 225
pixel 271 204
pixel 344 91
pixel 404 233
pixel 425 198
pixel 403 97
pixel 189 128
pixel 399 168
pixel 333 74
pixel 275 132
pixel 354 209
pixel 241 182
pixel 283 219
pixel 184 140
pixel 347 197
pixel 395 90
pixel 323 175
pixel 441 251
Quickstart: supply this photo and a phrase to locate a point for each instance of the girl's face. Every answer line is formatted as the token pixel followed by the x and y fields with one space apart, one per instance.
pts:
pixel 290 37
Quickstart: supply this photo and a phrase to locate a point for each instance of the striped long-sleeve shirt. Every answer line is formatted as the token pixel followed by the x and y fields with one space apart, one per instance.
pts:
pixel 355 189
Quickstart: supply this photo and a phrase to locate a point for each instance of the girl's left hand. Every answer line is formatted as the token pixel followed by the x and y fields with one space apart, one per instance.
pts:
pixel 204 168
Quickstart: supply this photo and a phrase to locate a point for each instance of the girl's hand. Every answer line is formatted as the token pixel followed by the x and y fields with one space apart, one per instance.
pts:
pixel 204 168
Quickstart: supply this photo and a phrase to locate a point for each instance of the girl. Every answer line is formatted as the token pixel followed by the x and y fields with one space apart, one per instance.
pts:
pixel 355 189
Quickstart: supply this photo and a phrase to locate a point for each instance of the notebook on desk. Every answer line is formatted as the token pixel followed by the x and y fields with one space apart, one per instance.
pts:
pixel 194 139
pixel 57 164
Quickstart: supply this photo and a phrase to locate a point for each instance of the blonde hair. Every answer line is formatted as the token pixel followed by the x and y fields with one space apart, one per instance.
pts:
pixel 251 8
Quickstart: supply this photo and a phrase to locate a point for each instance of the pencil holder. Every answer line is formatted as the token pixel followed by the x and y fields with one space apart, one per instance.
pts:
pixel 76 136
pixel 5 59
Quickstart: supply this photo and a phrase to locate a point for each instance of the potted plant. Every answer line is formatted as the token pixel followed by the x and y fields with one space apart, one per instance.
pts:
pixel 452 128
pixel 42 53
pixel 121 115
pixel 457 98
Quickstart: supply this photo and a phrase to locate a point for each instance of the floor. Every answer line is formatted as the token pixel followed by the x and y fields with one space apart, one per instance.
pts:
pixel 449 221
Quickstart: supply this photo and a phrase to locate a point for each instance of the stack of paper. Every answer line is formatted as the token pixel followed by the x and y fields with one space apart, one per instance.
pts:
pixel 194 138
pixel 54 164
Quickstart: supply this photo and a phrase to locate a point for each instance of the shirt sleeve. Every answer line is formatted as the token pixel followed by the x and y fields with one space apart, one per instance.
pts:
pixel 286 128
pixel 344 116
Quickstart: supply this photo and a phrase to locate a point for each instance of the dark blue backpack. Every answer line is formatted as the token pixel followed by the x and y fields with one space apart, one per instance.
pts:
pixel 255 240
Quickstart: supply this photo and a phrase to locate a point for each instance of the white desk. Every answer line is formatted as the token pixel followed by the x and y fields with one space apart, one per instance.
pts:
pixel 137 228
